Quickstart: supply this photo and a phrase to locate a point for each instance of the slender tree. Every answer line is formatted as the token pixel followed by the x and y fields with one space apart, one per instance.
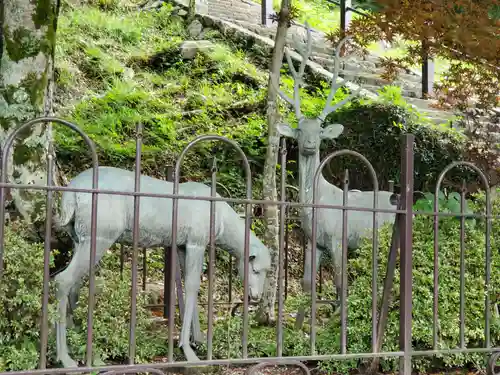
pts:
pixel 27 44
pixel 266 313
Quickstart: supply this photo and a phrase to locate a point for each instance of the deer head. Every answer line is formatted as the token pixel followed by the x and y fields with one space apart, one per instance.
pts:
pixel 309 131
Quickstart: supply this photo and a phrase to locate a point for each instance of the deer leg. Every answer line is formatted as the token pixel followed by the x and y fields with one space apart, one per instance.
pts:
pixel 73 296
pixel 306 280
pixel 193 268
pixel 67 281
pixel 198 336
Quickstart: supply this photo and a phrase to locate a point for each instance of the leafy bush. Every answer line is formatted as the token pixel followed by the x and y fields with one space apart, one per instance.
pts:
pixel 262 340
pixel 20 312
pixel 21 296
pixel 359 305
pixel 374 129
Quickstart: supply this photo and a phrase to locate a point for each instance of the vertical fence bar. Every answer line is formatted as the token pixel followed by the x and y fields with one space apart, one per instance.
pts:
pixel 166 258
pixel 122 260
pixel 281 250
pixel 135 244
pixel 375 266
pixel 171 266
pixel 435 298
pixel 211 261
pixel 405 322
pixel 285 248
pixel 144 267
pixel 487 312
pixel 343 267
pixel 246 254
pixel 44 332
pixel 314 218
pixel 462 266
pixel 93 243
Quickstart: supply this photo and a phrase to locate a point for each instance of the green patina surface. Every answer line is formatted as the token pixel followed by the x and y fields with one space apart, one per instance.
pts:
pixel 35 86
pixel 43 14
pixel 20 43
pixel 23 43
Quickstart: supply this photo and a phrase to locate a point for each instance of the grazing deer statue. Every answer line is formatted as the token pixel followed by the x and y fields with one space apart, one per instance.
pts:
pixel 309 134
pixel 115 222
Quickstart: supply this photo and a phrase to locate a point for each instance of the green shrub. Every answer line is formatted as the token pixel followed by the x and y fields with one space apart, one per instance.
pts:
pixel 359 305
pixel 20 312
pixel 374 129
pixel 21 296
pixel 262 340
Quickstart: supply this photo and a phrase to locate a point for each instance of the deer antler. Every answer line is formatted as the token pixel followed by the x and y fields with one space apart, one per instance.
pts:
pixel 297 75
pixel 333 89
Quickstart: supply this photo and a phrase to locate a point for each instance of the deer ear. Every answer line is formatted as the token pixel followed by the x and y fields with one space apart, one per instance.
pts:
pixel 286 131
pixel 331 131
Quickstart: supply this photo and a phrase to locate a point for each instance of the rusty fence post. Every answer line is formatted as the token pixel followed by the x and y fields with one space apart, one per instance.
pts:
pixel 427 72
pixel 406 259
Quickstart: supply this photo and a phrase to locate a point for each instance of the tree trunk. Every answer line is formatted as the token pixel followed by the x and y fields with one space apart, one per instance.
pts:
pixel 266 312
pixel 27 41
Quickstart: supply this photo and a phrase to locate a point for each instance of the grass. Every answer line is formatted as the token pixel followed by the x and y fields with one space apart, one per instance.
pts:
pixel 118 68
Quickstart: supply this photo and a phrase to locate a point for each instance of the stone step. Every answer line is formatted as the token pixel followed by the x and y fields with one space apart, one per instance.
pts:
pixel 421 103
pixel 405 92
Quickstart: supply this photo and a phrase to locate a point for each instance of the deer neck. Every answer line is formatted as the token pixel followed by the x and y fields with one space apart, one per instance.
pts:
pixel 307 169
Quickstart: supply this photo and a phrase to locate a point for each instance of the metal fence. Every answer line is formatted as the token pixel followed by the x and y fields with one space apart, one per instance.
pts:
pixel 402 240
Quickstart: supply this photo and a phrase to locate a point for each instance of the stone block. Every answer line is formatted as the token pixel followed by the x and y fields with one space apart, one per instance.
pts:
pixel 190 48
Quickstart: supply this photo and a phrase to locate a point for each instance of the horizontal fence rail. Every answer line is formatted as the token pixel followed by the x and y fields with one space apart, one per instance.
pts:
pixel 215 224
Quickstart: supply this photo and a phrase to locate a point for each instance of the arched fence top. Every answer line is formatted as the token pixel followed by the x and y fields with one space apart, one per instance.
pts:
pixel 5 153
pixel 213 137
pixel 43 120
pixel 476 169
pixel 335 154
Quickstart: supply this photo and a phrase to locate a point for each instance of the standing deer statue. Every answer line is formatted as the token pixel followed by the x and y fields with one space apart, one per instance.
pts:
pixel 115 218
pixel 309 133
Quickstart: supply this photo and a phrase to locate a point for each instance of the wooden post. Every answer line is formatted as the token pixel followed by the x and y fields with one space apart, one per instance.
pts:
pixel 266 11
pixel 345 19
pixel 345 14
pixel 427 72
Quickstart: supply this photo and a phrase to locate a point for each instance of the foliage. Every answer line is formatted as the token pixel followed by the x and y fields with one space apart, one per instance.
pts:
pixel 133 69
pixel 464 34
pixel 463 81
pixel 262 340
pixel 20 312
pixel 482 146
pixel 450 203
pixel 375 128
pixel 452 27
pixel 21 295
pixel 359 306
